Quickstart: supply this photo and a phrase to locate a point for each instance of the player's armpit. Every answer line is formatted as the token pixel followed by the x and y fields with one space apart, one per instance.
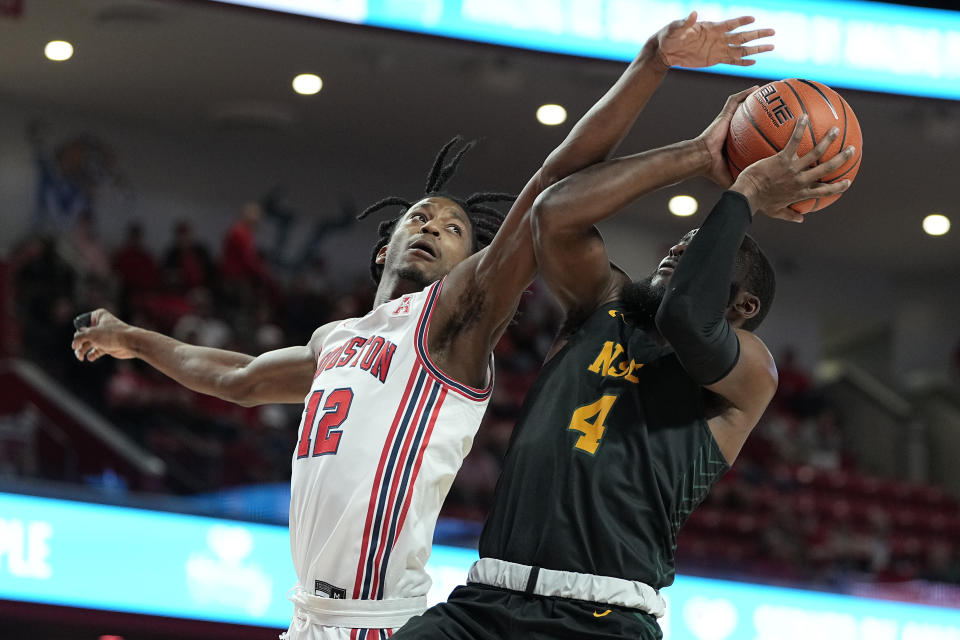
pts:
pixel 748 389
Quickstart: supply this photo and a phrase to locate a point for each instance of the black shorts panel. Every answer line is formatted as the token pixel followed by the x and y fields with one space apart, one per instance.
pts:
pixel 477 612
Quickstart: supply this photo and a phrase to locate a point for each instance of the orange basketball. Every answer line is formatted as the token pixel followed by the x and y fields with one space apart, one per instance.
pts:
pixel 762 126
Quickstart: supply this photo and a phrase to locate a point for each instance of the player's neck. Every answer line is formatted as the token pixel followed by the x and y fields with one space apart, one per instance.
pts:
pixel 392 287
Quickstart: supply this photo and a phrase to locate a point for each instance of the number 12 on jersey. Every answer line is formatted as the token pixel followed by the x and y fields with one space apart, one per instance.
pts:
pixel 588 420
pixel 335 411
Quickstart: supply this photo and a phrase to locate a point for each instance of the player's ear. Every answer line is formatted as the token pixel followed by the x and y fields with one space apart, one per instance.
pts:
pixel 382 255
pixel 746 305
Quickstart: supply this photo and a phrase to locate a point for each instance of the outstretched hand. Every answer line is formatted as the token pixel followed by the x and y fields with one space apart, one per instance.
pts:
pixel 714 137
pixel 773 184
pixel 688 43
pixel 100 334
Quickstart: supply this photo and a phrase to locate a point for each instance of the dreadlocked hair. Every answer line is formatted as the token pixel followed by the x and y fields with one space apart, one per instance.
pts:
pixel 485 220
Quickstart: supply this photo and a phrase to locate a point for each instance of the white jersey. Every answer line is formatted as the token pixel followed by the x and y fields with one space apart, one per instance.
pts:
pixel 383 434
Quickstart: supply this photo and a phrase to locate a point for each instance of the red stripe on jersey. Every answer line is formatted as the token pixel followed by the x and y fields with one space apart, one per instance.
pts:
pixel 390 508
pixel 319 368
pixel 423 353
pixel 416 468
pixel 374 492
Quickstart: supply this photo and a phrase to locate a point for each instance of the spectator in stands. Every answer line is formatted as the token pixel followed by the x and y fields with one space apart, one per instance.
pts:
pixel 135 268
pixel 309 301
pixel 84 250
pixel 240 263
pixel 245 280
pixel 201 326
pixel 821 440
pixel 187 263
pixel 43 281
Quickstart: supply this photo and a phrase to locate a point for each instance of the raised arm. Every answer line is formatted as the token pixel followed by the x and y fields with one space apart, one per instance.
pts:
pixel 498 275
pixel 694 316
pixel 281 376
pixel 681 43
pixel 570 251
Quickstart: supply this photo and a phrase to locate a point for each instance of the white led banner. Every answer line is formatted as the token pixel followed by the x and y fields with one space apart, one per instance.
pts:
pixel 843 43
pixel 121 559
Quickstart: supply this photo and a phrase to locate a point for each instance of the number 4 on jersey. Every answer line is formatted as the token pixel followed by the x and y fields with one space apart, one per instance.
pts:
pixel 335 411
pixel 592 430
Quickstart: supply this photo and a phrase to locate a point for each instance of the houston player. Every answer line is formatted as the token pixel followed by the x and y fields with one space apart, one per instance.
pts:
pixel 393 399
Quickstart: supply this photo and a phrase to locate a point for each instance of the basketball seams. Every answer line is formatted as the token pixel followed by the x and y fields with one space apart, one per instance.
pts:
pixel 749 128
pixel 843 143
pixel 734 165
pixel 813 141
pixel 813 85
pixel 843 138
pixel 816 86
pixel 855 165
pixel 753 122
pixel 803 107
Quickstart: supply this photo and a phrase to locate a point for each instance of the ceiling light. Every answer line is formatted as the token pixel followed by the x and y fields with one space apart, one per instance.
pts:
pixel 307 84
pixel 58 50
pixel 551 114
pixel 936 224
pixel 683 206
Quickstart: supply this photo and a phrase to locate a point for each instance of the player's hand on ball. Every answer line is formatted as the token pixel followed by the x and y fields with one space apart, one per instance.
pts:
pixel 773 184
pixel 103 336
pixel 715 135
pixel 688 43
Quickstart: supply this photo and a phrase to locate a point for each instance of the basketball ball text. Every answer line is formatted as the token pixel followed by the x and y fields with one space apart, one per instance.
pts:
pixel 777 108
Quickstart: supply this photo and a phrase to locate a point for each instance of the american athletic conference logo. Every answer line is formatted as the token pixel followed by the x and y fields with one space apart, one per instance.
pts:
pixel 403 306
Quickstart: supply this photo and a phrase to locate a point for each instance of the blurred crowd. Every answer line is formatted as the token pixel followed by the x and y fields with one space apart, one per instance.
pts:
pixel 793 509
pixel 796 509
pixel 232 296
pixel 228 297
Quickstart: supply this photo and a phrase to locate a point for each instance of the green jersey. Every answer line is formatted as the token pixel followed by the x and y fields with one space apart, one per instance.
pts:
pixel 610 455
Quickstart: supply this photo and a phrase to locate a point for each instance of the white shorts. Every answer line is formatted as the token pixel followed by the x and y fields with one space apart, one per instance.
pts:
pixel 301 629
pixel 316 618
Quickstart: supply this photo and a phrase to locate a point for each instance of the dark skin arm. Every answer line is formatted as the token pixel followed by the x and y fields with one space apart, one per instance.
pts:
pixel 770 186
pixel 481 294
pixel 574 262
pixel 570 251
pixel 281 376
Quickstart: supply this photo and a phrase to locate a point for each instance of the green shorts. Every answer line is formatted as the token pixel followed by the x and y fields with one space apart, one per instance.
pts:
pixel 479 612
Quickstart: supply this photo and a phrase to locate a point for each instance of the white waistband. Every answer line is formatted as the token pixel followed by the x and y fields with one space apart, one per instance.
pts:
pixel 567 584
pixel 354 614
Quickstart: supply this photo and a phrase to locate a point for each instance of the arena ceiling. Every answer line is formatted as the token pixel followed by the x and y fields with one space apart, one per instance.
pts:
pixel 201 64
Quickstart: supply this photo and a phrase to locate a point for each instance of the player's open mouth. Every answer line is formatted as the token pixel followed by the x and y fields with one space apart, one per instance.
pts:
pixel 666 267
pixel 424 250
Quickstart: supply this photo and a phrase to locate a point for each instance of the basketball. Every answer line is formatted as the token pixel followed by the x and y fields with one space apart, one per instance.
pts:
pixel 763 123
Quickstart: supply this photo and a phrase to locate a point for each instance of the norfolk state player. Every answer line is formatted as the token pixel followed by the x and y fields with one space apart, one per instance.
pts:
pixel 647 398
